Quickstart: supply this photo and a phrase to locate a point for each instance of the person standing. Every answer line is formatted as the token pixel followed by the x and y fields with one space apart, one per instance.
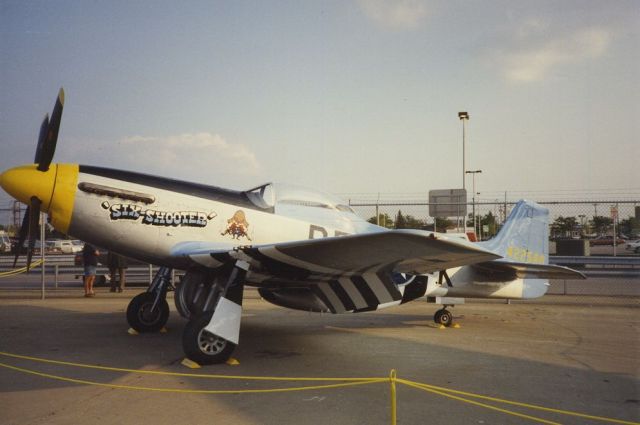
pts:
pixel 90 262
pixel 117 263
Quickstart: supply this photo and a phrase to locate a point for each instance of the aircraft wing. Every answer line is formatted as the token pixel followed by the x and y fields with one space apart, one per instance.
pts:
pixel 402 251
pixel 527 270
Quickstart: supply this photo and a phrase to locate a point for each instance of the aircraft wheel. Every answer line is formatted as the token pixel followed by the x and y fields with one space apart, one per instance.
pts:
pixel 443 317
pixel 179 297
pixel 140 316
pixel 204 347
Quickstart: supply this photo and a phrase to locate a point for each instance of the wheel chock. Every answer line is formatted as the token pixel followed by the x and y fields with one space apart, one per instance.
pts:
pixel 132 331
pixel 442 327
pixel 232 362
pixel 164 330
pixel 457 326
pixel 190 364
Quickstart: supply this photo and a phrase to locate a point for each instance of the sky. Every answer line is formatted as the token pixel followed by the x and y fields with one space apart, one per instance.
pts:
pixel 351 97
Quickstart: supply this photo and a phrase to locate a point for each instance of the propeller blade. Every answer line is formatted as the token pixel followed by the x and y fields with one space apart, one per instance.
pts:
pixel 22 236
pixel 49 146
pixel 44 127
pixel 34 227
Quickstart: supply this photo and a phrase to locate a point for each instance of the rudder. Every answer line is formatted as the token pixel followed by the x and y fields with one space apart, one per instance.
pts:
pixel 524 238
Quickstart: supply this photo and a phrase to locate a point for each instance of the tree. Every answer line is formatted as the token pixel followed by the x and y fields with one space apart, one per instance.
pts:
pixel 563 226
pixel 400 221
pixel 489 220
pixel 601 224
pixel 414 223
pixel 629 226
pixel 384 220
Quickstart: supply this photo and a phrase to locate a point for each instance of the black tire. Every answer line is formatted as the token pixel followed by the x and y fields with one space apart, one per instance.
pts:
pixel 437 316
pixel 443 317
pixel 179 298
pixel 446 318
pixel 203 347
pixel 140 316
pixel 191 295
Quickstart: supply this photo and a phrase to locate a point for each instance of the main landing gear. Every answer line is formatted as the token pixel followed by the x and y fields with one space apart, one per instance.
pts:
pixel 214 308
pixel 212 302
pixel 149 311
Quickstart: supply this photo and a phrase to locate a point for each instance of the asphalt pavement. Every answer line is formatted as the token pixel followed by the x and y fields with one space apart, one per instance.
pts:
pixel 581 357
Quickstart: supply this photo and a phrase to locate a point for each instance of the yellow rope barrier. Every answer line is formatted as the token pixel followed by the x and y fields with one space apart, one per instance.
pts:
pixel 447 392
pixel 21 270
pixel 186 391
pixel 341 383
pixel 188 375
pixel 486 406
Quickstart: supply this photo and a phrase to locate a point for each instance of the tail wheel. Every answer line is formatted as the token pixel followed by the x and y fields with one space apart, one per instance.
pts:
pixel 443 317
pixel 143 317
pixel 202 346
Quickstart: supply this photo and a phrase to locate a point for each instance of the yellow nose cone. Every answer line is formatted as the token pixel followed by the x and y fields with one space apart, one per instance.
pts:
pixel 26 181
pixel 55 188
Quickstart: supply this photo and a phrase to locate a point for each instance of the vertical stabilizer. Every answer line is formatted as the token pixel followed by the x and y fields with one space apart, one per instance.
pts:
pixel 524 238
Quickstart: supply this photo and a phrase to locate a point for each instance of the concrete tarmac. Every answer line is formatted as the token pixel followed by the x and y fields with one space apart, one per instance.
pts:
pixel 574 354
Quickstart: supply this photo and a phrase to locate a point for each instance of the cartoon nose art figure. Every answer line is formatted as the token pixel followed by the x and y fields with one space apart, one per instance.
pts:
pixel 237 226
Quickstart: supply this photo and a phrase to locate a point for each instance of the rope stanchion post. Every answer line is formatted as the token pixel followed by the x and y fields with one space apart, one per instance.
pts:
pixel 392 383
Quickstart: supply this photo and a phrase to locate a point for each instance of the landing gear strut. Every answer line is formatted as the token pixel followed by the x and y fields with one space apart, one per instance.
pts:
pixel 212 334
pixel 149 311
pixel 443 317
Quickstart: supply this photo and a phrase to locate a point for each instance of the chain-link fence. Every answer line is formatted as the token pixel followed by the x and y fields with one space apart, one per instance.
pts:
pixel 575 219
pixel 591 221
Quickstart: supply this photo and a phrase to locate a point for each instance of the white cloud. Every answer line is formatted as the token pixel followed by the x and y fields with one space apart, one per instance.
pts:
pixel 191 154
pixel 395 14
pixel 535 62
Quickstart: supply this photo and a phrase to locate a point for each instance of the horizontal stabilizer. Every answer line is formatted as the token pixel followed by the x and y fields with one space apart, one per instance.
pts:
pixel 505 270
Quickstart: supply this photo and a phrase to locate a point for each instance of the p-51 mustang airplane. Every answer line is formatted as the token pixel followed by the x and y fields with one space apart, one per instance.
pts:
pixel 301 249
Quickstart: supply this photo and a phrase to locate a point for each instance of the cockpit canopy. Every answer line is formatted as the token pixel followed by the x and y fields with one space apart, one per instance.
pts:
pixel 306 204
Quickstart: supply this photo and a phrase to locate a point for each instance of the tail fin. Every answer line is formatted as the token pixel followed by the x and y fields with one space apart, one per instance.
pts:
pixel 524 238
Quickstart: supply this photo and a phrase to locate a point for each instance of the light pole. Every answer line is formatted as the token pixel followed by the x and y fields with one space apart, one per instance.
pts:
pixel 474 197
pixel 464 117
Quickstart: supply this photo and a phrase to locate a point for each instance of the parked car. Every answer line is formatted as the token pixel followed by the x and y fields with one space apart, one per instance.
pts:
pixel 605 240
pixel 634 246
pixel 64 246
pixel 5 242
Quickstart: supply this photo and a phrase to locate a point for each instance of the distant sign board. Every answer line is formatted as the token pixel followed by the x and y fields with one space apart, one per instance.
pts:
pixel 448 203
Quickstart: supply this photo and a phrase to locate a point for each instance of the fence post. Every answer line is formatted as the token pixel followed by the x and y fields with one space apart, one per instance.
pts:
pixel 55 275
pixel 150 273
